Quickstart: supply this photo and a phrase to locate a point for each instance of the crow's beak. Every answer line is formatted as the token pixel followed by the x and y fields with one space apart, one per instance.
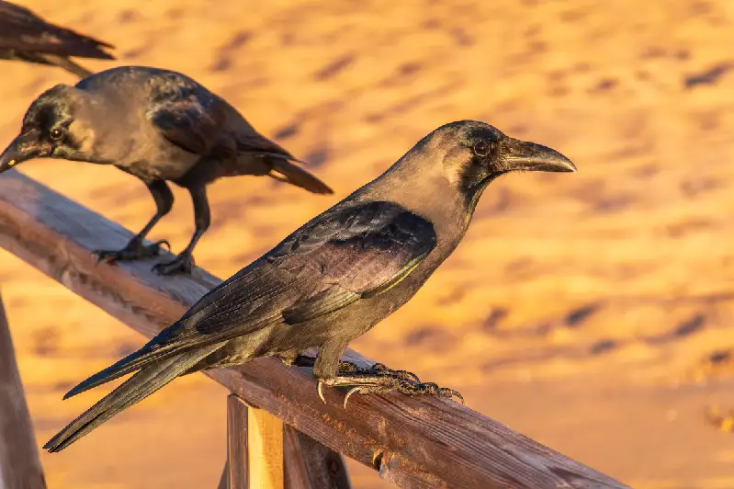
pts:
pixel 527 156
pixel 22 148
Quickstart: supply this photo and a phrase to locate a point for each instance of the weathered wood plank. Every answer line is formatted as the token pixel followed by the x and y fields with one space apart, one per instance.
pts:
pixel 416 443
pixel 238 444
pixel 311 465
pixel 265 452
pixel 20 466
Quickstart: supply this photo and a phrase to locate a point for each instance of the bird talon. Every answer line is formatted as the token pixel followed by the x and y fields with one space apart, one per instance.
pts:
pixel 456 394
pixel 163 242
pixel 320 391
pixel 353 390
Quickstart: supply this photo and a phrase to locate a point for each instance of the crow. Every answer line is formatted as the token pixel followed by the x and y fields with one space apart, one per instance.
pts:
pixel 334 278
pixel 159 126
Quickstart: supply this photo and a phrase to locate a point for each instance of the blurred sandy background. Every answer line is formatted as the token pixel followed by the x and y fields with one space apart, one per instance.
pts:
pixel 590 311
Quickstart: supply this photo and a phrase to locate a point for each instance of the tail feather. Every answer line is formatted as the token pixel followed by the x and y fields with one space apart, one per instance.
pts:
pixel 135 389
pixel 295 175
pixel 68 65
pixel 135 361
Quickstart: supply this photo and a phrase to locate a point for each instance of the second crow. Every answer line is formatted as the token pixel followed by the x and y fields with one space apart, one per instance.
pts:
pixel 333 279
pixel 159 126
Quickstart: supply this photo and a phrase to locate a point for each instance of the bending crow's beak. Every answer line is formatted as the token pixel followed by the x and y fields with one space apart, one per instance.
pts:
pixel 527 156
pixel 18 151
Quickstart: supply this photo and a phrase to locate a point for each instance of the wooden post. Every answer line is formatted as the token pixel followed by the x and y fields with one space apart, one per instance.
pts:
pixel 311 465
pixel 237 443
pixel 20 467
pixel 265 450
pixel 254 447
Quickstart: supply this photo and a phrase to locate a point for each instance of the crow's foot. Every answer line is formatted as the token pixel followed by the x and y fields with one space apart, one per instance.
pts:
pixel 353 368
pixel 135 250
pixel 183 263
pixel 385 382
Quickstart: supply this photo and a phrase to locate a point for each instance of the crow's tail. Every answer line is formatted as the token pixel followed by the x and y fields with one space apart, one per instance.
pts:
pixel 290 172
pixel 144 383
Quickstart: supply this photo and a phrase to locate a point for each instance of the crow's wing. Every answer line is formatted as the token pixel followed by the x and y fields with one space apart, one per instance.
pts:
pixel 343 255
pixel 356 253
pixel 22 30
pixel 189 116
pixel 200 122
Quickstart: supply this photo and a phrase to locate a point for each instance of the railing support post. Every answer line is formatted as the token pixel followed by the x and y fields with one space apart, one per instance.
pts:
pixel 254 447
pixel 20 466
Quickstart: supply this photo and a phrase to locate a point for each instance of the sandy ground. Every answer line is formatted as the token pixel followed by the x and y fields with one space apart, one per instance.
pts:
pixel 582 310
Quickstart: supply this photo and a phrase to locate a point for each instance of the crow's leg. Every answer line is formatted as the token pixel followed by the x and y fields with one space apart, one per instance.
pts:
pixel 202 219
pixel 352 368
pixel 136 249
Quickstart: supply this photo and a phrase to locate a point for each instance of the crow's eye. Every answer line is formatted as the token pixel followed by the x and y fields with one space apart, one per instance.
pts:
pixel 56 134
pixel 481 148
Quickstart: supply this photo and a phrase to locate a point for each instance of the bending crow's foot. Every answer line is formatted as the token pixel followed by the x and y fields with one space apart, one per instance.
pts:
pixel 383 383
pixel 353 368
pixel 183 263
pixel 135 250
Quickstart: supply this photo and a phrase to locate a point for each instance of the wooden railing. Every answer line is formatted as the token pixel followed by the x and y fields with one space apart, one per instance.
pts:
pixel 412 442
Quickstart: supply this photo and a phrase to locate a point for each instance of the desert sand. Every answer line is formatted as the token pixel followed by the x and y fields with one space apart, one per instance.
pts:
pixel 592 312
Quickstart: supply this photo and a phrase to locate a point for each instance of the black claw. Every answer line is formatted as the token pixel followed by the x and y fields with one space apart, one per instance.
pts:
pixel 163 242
pixel 181 264
pixel 456 394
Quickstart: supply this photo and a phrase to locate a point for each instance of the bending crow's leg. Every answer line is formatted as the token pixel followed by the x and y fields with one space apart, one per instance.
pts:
pixel 202 219
pixel 327 370
pixel 135 249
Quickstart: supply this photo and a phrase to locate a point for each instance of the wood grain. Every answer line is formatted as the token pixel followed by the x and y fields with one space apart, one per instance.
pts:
pixel 237 444
pixel 415 443
pixel 265 450
pixel 311 465
pixel 20 467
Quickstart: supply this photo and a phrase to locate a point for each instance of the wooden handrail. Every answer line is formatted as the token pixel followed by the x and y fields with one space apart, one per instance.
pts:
pixel 415 443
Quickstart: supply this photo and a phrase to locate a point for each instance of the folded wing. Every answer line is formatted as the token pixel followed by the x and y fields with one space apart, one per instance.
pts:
pixel 342 256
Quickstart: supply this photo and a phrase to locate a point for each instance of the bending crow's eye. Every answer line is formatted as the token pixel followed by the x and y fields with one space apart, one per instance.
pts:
pixel 481 148
pixel 56 134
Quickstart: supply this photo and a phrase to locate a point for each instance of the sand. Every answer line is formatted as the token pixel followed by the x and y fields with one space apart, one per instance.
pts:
pixel 582 310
